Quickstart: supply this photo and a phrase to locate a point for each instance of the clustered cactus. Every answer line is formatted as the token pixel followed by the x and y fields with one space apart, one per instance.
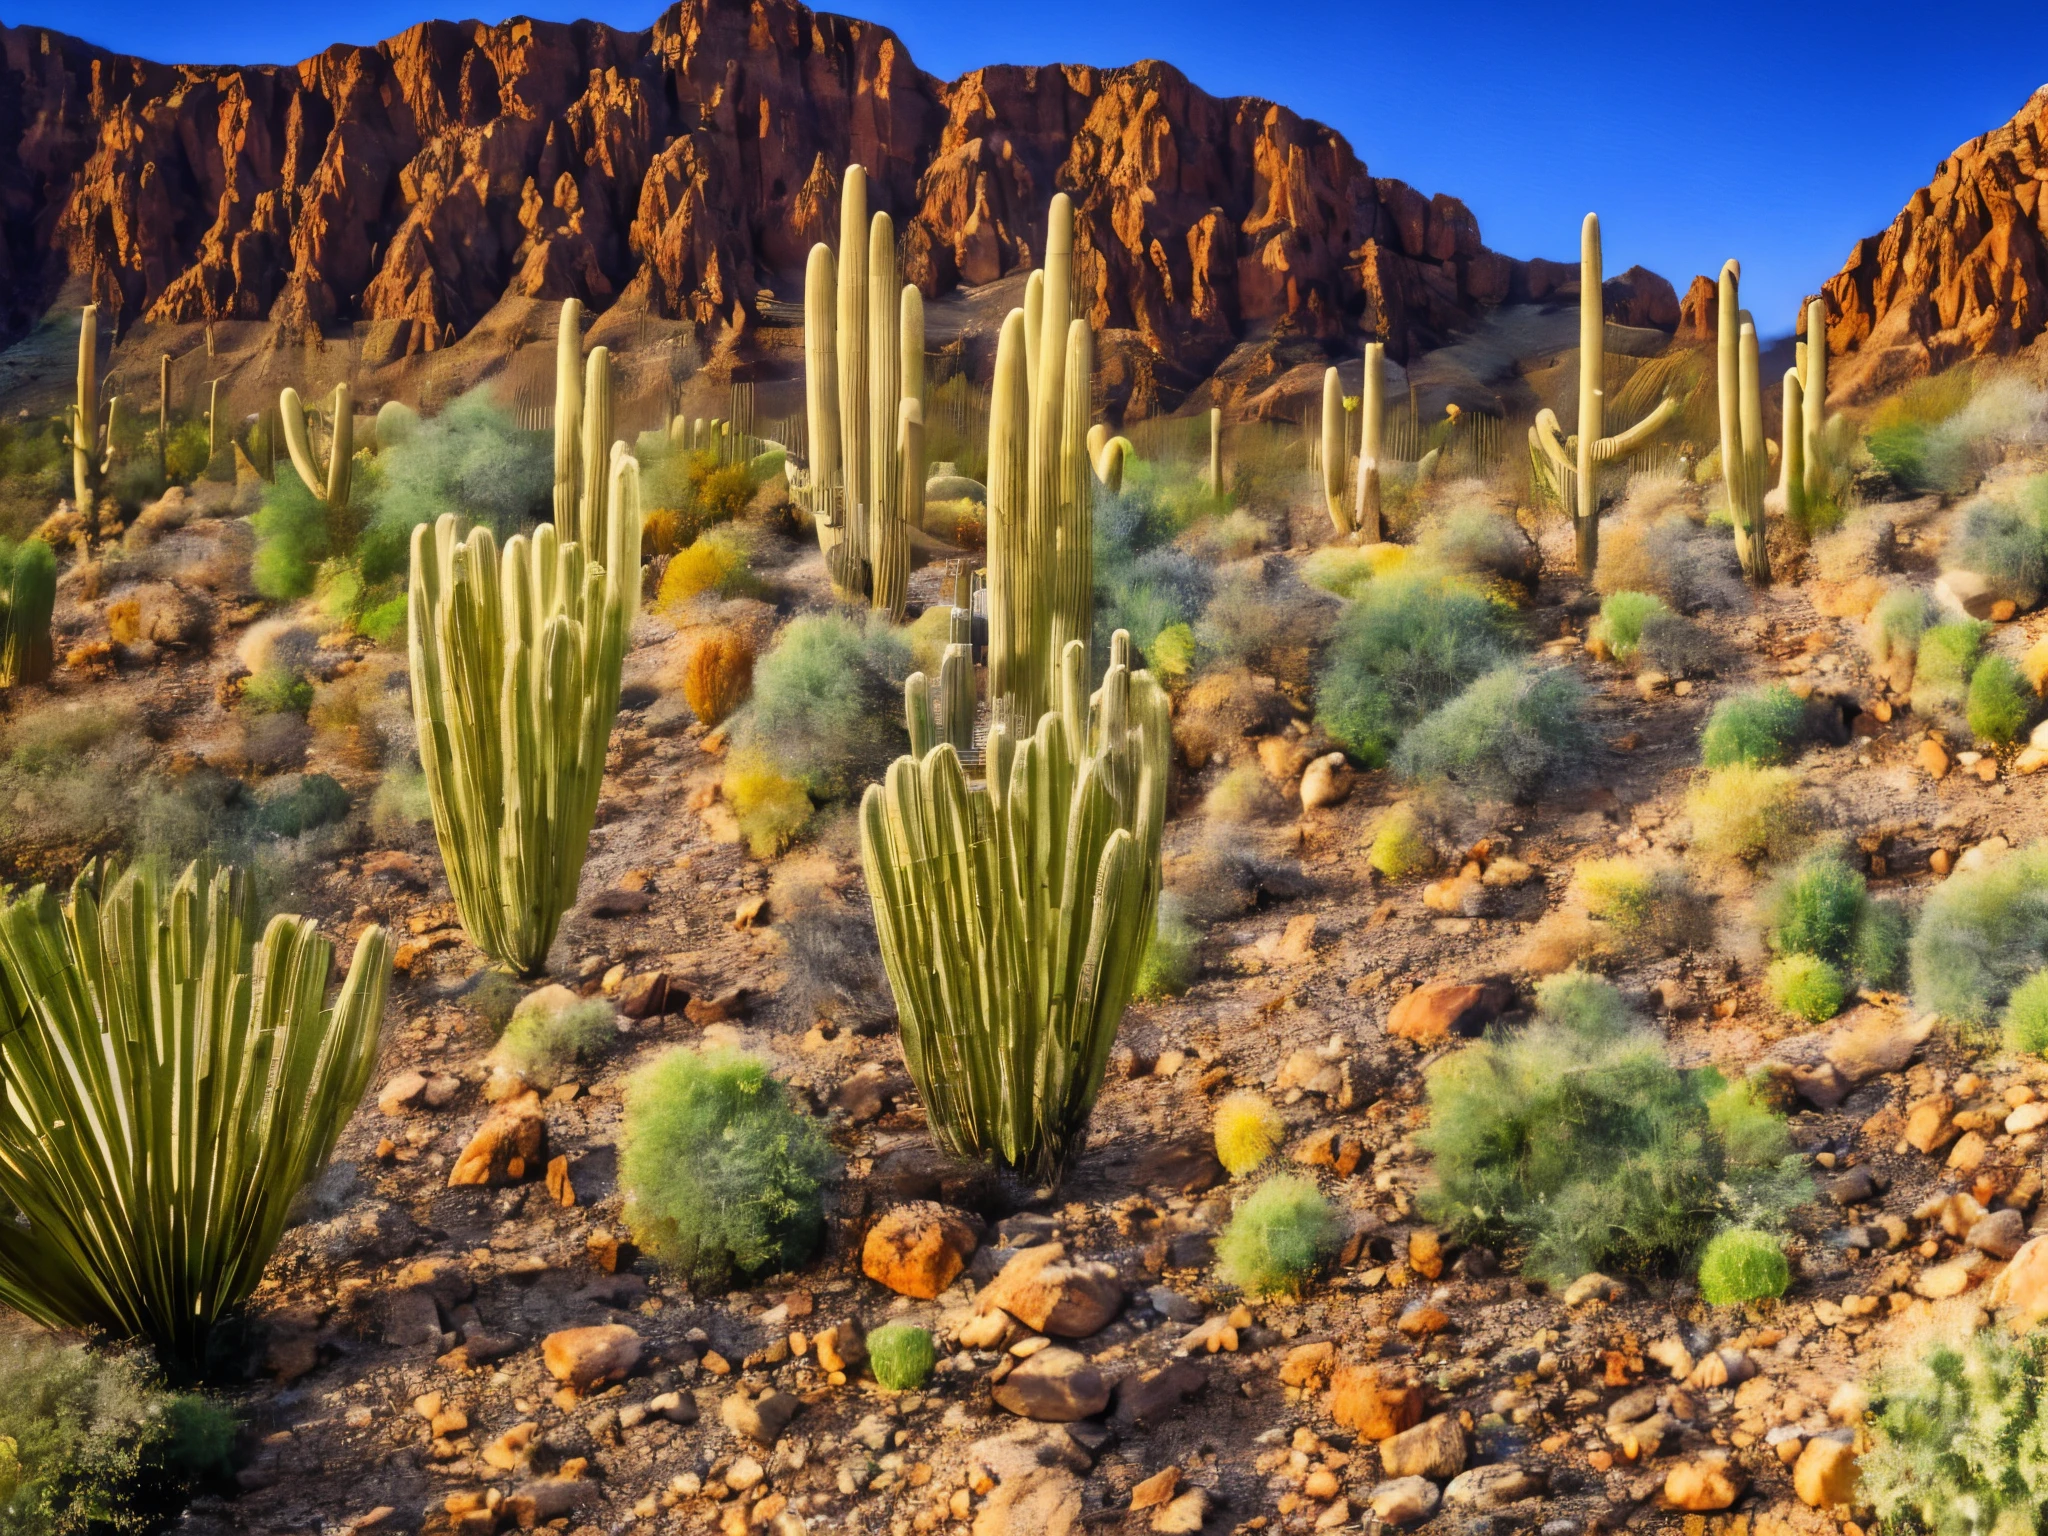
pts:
pixel 26 602
pixel 330 485
pixel 864 378
pixel 1744 456
pixel 1575 459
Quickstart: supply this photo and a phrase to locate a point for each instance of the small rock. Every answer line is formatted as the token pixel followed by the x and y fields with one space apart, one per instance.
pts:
pixel 583 1358
pixel 1825 1474
pixel 1933 758
pixel 1377 1410
pixel 1404 1500
pixel 1455 896
pixel 1183 1515
pixel 1594 1287
pixel 1150 1397
pixel 1155 1490
pixel 1929 1123
pixel 1490 1487
pixel 1048 1293
pixel 401 1093
pixel 761 1419
pixel 918 1249
pixel 1434 1448
pixel 2023 1284
pixel 1708 1482
pixel 1055 1386
pixel 1442 1010
pixel 1325 782
pixel 507 1146
pixel 1938 1282
pixel 2001 1234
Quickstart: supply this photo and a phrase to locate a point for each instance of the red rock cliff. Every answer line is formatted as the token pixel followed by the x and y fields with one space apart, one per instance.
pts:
pixel 683 169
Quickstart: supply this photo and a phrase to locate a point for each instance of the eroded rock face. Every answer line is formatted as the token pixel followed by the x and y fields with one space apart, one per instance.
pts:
pixel 684 168
pixel 1961 272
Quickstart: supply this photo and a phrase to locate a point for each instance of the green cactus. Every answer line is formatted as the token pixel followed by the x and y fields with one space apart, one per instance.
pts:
pixel 1575 460
pixel 1372 405
pixel 1745 461
pixel 1333 456
pixel 1013 914
pixel 163 419
pixel 1806 474
pixel 331 485
pixel 214 435
pixel 26 654
pixel 864 395
pixel 515 668
pixel 583 432
pixel 169 1081
pixel 1215 451
pixel 91 441
pixel 1109 453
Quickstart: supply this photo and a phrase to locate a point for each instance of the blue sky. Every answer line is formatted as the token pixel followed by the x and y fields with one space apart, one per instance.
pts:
pixel 1775 132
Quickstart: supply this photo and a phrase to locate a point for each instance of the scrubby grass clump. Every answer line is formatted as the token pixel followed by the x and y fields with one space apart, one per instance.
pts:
pixel 1643 900
pixel 1806 986
pixel 550 1037
pixel 718 674
pixel 1742 1265
pixel 90 1443
pixel 1822 907
pixel 772 808
pixel 723 1178
pixel 1480 542
pixel 2006 543
pixel 1980 935
pixel 1168 968
pixel 1619 629
pixel 716 564
pixel 1742 814
pixel 1759 726
pixel 1944 664
pixel 1960 1438
pixel 1248 1131
pixel 1346 569
pixel 901 1355
pixel 1578 1140
pixel 2025 1022
pixel 2001 705
pixel 1505 736
pixel 1402 844
pixel 828 702
pixel 1407 645
pixel 1279 1238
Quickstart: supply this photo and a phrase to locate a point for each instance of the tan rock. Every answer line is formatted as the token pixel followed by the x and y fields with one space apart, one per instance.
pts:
pixel 1439 1010
pixel 2022 1287
pixel 1309 1366
pixel 1458 895
pixel 1435 1448
pixel 583 1358
pixel 1709 1482
pixel 1938 1282
pixel 1183 1514
pixel 1325 782
pixel 1929 1123
pixel 1155 1490
pixel 1405 1500
pixel 1054 1386
pixel 1933 758
pixel 1376 1409
pixel 918 1249
pixel 1046 1291
pixel 1969 1152
pixel 1825 1474
pixel 506 1147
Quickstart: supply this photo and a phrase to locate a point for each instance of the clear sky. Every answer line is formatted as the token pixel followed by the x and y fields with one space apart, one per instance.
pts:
pixel 1776 131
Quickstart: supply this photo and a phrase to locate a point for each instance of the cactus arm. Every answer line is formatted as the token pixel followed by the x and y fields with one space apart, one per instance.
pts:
pixel 593 453
pixel 821 387
pixel 85 413
pixel 1744 461
pixel 1622 444
pixel 1010 656
pixel 1548 435
pixel 1792 472
pixel 1727 376
pixel 853 356
pixel 1333 456
pixel 1814 391
pixel 1073 561
pixel 298 442
pixel 1592 391
pixel 568 412
pixel 917 714
pixel 341 448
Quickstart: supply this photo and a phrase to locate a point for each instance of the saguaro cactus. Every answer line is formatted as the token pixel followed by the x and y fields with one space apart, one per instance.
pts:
pixel 864 394
pixel 1215 451
pixel 1806 476
pixel 1334 457
pixel 1745 462
pixel 163 420
pixel 26 602
pixel 515 669
pixel 1579 456
pixel 583 432
pixel 1109 454
pixel 1372 409
pixel 91 441
pixel 330 485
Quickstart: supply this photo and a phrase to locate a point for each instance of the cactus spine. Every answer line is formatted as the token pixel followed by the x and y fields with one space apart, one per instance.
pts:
pixel 515 667
pixel 1334 457
pixel 332 486
pixel 1372 407
pixel 864 395
pixel 583 433
pixel 1578 459
pixel 26 654
pixel 1744 459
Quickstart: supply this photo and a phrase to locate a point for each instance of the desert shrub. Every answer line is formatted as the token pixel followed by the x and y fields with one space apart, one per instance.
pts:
pixel 1688 564
pixel 1742 1265
pixel 1248 1131
pixel 1279 1237
pixel 901 1355
pixel 1171 655
pixel 1480 542
pixel 70 777
pixel 1147 594
pixel 189 450
pixel 1894 627
pixel 472 459
pixel 828 701
pixel 1881 940
pixel 1818 907
pixel 278 692
pixel 718 674
pixel 1406 646
pixel 1758 726
pixel 1981 933
pixel 548 1038
pixel 1621 621
pixel 1237 534
pixel 2001 706
pixel 494 999
pixel 1676 646
pixel 832 959
pixel 1742 814
pixel 293 805
pixel 723 1178
pixel 1403 844
pixel 399 804
pixel 688 492
pixel 1960 1443
pixel 2006 542
pixel 716 563
pixel 1346 569
pixel 1805 986
pixel 770 806
pixel 1263 616
pixel 1943 665
pixel 1168 968
pixel 1506 735
pixel 1651 902
pixel 91 1443
pixel 292 538
pixel 1243 794
pixel 1577 1139
pixel 2025 1021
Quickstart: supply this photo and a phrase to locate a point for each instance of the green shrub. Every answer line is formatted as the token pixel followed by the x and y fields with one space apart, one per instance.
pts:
pixel 1504 736
pixel 1881 938
pixel 1168 968
pixel 189 450
pixel 1817 908
pixel 472 459
pixel 549 1037
pixel 1961 1442
pixel 771 807
pixel 828 702
pixel 1346 569
pixel 91 1443
pixel 1944 664
pixel 1243 794
pixel 1406 646
pixel 1641 900
pixel 494 999
pixel 1578 1140
pixel 2001 704
pixel 1805 986
pixel 1279 1238
pixel 1742 1265
pixel 1743 814
pixel 292 537
pixel 723 1178
pixel 1480 542
pixel 1759 726
pixel 2025 1023
pixel 278 692
pixel 1402 845
pixel 901 1356
pixel 1980 934
pixel 1676 646
pixel 2006 544
pixel 297 803
pixel 1895 625
pixel 1621 621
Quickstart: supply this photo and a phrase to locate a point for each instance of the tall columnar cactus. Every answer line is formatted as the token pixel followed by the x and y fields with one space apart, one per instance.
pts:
pixel 1215 451
pixel 1745 462
pixel 169 1081
pixel 864 395
pixel 26 602
pixel 583 432
pixel 1013 914
pixel 1334 458
pixel 515 669
pixel 214 435
pixel 90 440
pixel 1806 474
pixel 163 420
pixel 1577 458
pixel 1372 407
pixel 330 485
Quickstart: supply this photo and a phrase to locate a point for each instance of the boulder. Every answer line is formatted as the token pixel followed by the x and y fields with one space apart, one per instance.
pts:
pixel 1442 1010
pixel 918 1249
pixel 1825 1473
pixel 1325 782
pixel 1708 1482
pixel 1490 1487
pixel 1046 1291
pixel 1376 1409
pixel 583 1358
pixel 1434 1448
pixel 1404 1500
pixel 2022 1287
pixel 1054 1386
pixel 507 1147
